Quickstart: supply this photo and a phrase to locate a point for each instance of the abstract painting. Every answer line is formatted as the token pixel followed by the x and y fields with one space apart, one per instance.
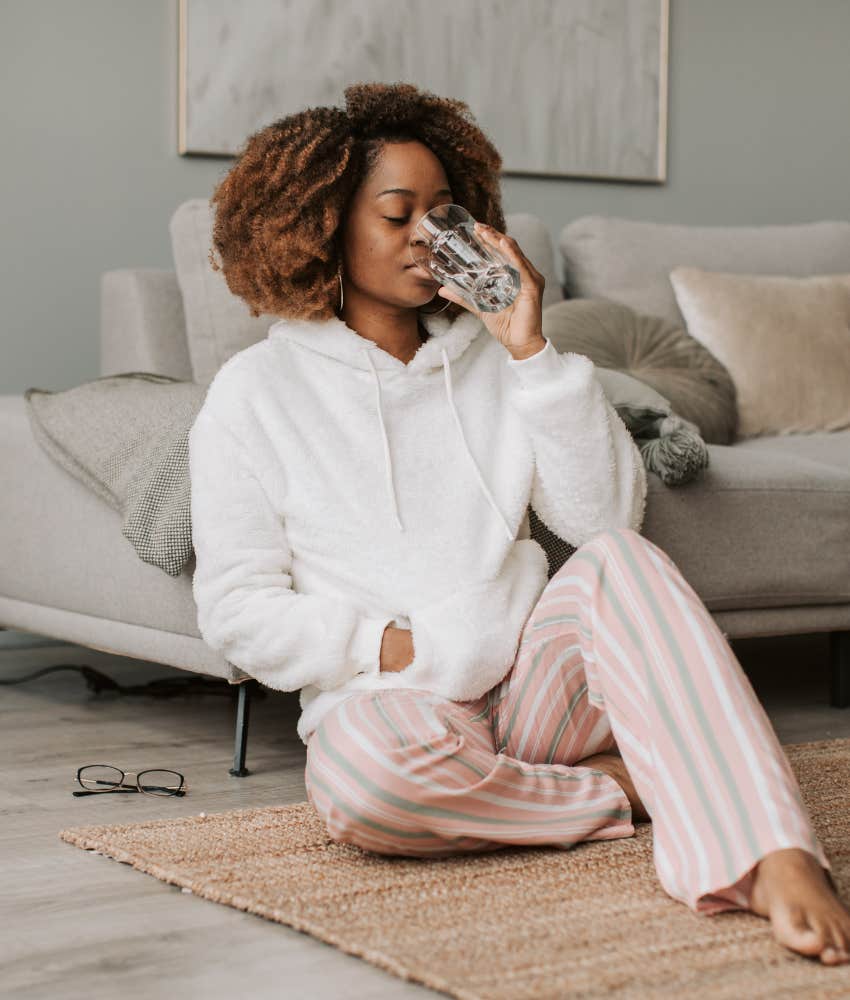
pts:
pixel 563 88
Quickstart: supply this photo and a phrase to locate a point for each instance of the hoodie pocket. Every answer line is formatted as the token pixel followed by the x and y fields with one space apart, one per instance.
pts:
pixel 466 642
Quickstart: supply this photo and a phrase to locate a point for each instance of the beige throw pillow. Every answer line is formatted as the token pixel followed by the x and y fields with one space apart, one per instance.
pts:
pixel 785 342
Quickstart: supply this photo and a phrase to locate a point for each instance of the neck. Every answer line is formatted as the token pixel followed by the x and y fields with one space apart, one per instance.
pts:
pixel 399 332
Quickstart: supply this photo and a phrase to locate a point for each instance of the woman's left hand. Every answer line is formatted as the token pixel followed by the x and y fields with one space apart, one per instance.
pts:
pixel 519 328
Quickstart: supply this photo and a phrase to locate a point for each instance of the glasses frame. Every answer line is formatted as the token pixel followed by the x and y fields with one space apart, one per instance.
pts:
pixel 136 787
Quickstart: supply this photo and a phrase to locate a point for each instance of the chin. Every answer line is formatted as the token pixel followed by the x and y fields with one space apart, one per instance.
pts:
pixel 425 303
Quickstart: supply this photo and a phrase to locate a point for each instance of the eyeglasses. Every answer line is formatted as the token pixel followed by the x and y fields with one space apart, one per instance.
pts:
pixel 98 778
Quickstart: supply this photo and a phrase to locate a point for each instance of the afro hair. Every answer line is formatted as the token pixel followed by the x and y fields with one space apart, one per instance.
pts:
pixel 279 209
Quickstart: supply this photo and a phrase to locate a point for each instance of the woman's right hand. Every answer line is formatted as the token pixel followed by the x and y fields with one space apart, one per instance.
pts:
pixel 396 649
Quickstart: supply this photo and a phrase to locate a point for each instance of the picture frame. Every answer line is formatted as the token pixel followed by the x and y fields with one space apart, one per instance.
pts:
pixel 598 111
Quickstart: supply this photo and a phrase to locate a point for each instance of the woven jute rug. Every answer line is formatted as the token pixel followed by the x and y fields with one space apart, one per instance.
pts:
pixel 519 922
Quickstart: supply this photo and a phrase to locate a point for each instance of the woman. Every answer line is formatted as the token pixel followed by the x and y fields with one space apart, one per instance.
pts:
pixel 360 485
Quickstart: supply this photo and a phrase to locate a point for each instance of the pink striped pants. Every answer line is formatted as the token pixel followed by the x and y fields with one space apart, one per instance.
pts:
pixel 619 653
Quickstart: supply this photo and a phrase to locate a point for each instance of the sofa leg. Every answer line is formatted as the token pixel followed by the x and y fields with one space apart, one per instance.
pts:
pixel 839 669
pixel 242 713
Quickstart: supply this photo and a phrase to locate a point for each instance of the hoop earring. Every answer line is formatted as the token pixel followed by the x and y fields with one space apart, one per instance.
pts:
pixel 423 312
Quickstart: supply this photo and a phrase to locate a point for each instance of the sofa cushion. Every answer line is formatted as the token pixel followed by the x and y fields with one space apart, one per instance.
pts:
pixel 659 353
pixel 630 261
pixel 766 525
pixel 784 341
pixel 218 323
pixel 142 326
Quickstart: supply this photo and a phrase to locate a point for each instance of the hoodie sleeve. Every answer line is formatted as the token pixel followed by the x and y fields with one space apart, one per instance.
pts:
pixel 246 606
pixel 589 473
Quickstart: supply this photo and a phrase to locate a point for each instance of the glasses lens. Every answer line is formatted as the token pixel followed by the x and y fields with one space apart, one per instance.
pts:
pixel 160 782
pixel 100 776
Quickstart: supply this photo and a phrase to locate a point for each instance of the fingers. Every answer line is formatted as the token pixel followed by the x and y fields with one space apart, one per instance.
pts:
pixel 509 246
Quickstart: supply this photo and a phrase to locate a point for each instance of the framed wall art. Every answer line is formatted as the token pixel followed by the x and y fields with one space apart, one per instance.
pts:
pixel 563 88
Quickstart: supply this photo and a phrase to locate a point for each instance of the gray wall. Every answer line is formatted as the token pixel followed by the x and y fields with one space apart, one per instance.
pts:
pixel 758 133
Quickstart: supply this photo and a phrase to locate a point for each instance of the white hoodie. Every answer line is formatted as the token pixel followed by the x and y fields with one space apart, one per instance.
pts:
pixel 336 490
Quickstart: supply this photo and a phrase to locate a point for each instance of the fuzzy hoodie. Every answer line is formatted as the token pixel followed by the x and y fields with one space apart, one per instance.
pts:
pixel 336 490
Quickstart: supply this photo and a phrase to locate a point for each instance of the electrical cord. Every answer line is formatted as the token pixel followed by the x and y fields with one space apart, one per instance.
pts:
pixel 163 687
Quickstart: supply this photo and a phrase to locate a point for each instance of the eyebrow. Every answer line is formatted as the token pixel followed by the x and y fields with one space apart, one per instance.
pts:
pixel 407 191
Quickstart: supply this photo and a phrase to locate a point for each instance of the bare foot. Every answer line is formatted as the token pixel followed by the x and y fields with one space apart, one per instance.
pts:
pixel 615 767
pixel 792 890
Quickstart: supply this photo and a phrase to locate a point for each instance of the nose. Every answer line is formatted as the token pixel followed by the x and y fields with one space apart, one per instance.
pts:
pixel 417 248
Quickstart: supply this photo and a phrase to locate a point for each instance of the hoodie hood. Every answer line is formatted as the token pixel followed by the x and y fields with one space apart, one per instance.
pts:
pixel 447 341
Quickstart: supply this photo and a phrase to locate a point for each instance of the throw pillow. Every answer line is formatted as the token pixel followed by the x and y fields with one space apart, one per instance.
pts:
pixel 653 351
pixel 785 342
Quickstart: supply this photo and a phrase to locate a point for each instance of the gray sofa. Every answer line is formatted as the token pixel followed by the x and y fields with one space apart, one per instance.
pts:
pixel 763 535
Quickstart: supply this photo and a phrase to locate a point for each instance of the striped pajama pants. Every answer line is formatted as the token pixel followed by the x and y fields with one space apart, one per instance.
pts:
pixel 619 654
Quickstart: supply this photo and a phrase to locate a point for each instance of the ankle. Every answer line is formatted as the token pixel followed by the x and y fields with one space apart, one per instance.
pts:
pixel 792 862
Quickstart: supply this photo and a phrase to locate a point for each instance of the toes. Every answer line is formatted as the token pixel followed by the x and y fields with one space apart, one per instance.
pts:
pixel 833 951
pixel 836 946
pixel 791 929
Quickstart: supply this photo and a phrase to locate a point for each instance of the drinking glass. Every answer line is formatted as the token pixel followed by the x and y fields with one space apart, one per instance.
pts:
pixel 444 243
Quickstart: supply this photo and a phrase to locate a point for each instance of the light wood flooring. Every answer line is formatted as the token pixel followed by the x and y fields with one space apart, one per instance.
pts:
pixel 74 924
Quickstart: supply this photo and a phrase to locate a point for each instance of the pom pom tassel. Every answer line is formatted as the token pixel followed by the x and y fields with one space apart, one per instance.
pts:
pixel 674 450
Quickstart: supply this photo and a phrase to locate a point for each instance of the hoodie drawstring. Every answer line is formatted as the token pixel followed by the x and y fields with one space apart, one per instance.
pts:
pixel 447 371
pixel 388 467
pixel 388 464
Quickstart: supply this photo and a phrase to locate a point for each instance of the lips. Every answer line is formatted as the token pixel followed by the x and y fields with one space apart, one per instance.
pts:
pixel 420 271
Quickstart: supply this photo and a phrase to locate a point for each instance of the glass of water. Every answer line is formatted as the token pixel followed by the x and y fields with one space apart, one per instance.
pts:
pixel 444 243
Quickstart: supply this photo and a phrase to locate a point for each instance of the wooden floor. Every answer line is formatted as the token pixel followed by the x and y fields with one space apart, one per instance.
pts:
pixel 74 924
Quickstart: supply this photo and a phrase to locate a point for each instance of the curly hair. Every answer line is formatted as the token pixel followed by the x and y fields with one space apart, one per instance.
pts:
pixel 280 208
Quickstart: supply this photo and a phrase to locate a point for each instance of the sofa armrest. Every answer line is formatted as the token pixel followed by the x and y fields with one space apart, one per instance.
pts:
pixel 142 327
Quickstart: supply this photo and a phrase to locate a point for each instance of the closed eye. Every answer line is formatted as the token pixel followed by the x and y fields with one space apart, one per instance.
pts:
pixel 399 221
